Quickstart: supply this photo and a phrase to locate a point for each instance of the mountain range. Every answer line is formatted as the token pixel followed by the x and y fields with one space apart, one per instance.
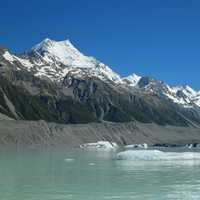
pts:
pixel 55 82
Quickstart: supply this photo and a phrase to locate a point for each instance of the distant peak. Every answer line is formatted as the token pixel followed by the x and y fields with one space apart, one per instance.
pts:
pixel 134 76
pixel 48 43
pixel 132 79
pixel 46 40
pixel 63 51
pixel 44 44
pixel 185 87
pixel 189 88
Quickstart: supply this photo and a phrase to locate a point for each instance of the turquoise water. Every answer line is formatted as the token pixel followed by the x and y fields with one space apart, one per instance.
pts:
pixel 62 174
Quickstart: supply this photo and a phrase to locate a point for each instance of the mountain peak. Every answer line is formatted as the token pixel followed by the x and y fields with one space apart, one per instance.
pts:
pixel 186 89
pixel 134 76
pixel 46 40
pixel 48 44
pixel 54 59
pixel 63 52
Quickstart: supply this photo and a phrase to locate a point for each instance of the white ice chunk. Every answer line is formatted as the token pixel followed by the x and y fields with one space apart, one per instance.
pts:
pixel 100 145
pixel 69 159
pixel 148 155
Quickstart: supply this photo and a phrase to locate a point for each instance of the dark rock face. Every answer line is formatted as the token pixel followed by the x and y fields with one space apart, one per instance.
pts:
pixel 31 101
pixel 116 104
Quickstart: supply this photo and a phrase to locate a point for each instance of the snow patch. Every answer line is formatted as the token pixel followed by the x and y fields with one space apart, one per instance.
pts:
pixel 25 62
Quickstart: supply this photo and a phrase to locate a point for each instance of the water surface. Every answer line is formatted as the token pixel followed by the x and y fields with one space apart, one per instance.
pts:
pixel 74 174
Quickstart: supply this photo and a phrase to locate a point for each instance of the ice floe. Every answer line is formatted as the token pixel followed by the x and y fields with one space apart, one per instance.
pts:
pixel 148 155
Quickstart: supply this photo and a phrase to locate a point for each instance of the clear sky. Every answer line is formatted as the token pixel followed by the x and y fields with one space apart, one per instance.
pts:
pixel 158 38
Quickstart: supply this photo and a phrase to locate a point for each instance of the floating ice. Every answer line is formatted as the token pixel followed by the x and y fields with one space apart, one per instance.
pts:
pixel 146 155
pixel 100 145
pixel 132 146
pixel 91 164
pixel 69 159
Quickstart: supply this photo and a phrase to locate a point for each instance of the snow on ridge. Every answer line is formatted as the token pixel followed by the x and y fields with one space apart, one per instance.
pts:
pixel 183 95
pixel 11 58
pixel 8 56
pixel 132 80
pixel 109 73
pixel 179 95
pixel 191 90
pixel 197 102
pixel 187 90
pixel 25 62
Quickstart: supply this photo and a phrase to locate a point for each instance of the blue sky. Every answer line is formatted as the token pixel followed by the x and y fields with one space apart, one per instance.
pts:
pixel 158 38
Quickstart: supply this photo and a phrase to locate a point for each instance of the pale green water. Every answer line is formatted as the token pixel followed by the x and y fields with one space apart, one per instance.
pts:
pixel 44 174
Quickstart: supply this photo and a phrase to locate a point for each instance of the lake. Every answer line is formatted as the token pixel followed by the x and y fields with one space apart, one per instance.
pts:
pixel 51 173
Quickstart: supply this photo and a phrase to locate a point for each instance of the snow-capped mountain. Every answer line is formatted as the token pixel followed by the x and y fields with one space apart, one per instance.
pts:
pixel 54 59
pixel 78 76
pixel 64 52
pixel 182 95
pixel 185 94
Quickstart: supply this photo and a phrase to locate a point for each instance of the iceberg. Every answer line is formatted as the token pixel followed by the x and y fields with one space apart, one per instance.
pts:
pixel 156 155
pixel 100 145
pixel 133 146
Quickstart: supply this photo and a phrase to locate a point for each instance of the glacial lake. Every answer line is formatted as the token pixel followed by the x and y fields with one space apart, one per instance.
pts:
pixel 73 174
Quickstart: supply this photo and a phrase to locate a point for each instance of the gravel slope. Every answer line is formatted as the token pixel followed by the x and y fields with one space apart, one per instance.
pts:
pixel 41 132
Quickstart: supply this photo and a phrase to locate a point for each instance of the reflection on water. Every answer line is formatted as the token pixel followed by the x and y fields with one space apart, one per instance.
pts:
pixel 74 174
